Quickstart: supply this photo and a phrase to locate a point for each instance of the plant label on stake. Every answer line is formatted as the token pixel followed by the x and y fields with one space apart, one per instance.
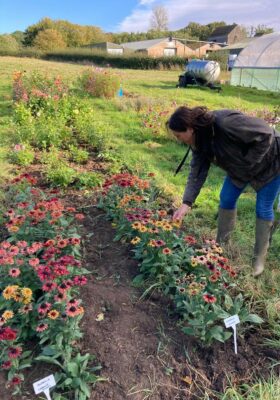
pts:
pixel 44 385
pixel 231 322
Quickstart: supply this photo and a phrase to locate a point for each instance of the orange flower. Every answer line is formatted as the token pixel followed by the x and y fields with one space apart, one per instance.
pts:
pixel 53 314
pixel 13 229
pixel 167 251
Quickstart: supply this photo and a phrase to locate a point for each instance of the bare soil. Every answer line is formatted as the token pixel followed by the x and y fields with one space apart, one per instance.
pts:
pixel 143 354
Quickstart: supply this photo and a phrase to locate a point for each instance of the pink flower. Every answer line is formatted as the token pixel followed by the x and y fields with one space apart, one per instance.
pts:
pixel 42 327
pixel 14 352
pixel 44 308
pixel 79 217
pixel 49 286
pixel 209 298
pixel 80 280
pixel 34 262
pixel 14 272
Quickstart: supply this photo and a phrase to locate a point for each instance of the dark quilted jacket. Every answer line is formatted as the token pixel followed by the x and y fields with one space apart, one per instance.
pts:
pixel 247 148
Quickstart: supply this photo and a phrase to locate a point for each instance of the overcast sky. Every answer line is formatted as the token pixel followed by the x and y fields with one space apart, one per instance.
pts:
pixel 134 15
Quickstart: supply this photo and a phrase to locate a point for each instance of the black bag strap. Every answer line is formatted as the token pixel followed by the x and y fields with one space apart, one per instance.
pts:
pixel 183 161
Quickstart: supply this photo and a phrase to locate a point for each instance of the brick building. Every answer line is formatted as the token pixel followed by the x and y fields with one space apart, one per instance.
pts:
pixel 228 34
pixel 159 47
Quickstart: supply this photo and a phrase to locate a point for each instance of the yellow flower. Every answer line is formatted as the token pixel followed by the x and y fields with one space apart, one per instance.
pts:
pixel 177 223
pixel 143 229
pixel 136 225
pixel 193 262
pixel 8 314
pixel 17 297
pixel 167 227
pixel 53 314
pixel 13 228
pixel 26 292
pixel 26 300
pixel 158 224
pixel 9 292
pixel 135 240
pixel 152 243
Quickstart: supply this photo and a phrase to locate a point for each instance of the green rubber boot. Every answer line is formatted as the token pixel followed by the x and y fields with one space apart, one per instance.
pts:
pixel 226 223
pixel 263 232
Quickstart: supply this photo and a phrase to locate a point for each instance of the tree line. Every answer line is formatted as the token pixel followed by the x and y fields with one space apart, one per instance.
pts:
pixel 49 34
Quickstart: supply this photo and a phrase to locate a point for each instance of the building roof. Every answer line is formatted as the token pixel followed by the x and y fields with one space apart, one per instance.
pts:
pixel 222 30
pixel 143 44
pixel 239 45
pixel 108 45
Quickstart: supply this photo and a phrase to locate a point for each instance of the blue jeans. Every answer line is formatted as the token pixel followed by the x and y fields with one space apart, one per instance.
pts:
pixel 266 197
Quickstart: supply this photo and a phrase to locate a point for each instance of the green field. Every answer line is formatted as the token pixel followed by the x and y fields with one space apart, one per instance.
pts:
pixel 160 154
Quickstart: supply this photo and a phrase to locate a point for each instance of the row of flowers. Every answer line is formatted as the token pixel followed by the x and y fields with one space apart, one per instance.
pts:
pixel 194 273
pixel 41 273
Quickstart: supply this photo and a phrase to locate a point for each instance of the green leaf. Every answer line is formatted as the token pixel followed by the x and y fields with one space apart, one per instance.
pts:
pixel 67 382
pixel 217 333
pixel 85 388
pixel 138 280
pixel 49 360
pixel 73 368
pixel 254 318
pixel 228 302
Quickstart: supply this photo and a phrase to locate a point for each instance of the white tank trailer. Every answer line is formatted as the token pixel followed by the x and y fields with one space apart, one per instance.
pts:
pixel 201 73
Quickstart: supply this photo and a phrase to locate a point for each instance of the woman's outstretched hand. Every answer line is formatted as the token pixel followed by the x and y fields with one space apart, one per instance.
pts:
pixel 181 212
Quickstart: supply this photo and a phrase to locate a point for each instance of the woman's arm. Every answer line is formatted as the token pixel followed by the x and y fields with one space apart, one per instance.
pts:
pixel 199 170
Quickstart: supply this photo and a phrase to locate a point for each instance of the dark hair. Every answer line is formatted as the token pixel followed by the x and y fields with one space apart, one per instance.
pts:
pixel 198 118
pixel 184 118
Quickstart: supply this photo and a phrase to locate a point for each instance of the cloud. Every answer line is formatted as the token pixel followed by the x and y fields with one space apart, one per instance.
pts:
pixel 138 21
pixel 181 12
pixel 146 2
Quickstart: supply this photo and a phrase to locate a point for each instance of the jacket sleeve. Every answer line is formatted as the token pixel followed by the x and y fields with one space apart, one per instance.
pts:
pixel 255 137
pixel 199 170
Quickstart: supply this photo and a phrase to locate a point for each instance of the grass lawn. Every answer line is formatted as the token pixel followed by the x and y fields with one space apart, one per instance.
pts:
pixel 161 155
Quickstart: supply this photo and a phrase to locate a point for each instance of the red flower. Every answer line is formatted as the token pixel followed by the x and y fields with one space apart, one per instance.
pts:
pixel 79 217
pixel 166 251
pixel 209 298
pixel 7 334
pixel 190 239
pixel 62 243
pixel 49 242
pixel 14 352
pixel 74 241
pixel 6 364
pixel 16 380
pixel 70 209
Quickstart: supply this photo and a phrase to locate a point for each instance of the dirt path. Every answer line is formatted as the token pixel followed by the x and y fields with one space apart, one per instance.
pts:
pixel 143 355
pixel 142 352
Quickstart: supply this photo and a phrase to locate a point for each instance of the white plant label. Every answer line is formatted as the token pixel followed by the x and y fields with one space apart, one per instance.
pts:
pixel 44 385
pixel 231 322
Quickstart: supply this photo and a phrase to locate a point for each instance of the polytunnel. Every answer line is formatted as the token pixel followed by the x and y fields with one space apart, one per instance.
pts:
pixel 258 64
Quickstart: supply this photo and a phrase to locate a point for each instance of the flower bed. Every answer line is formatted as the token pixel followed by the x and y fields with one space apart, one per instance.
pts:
pixel 194 273
pixel 41 274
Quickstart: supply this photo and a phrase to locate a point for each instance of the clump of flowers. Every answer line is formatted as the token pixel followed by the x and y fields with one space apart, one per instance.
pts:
pixel 100 82
pixel 41 273
pixel 154 118
pixel 36 89
pixel 195 274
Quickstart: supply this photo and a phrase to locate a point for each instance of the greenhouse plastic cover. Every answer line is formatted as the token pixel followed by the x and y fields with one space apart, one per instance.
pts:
pixel 263 52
